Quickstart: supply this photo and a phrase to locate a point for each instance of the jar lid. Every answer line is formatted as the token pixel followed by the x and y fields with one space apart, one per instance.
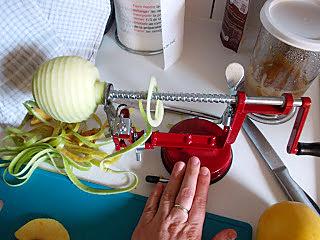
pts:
pixel 295 22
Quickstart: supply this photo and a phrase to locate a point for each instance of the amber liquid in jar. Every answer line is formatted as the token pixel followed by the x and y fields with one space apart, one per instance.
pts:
pixel 275 77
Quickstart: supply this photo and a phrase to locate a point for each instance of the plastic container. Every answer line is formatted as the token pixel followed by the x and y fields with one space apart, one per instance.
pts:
pixel 286 57
pixel 139 26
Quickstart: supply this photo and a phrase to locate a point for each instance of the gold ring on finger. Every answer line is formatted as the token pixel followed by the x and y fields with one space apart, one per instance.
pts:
pixel 181 208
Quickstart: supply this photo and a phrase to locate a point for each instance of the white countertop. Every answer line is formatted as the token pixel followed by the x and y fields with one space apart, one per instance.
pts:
pixel 249 187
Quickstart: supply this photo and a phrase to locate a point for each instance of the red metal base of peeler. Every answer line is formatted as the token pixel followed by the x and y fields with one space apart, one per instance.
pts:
pixel 218 160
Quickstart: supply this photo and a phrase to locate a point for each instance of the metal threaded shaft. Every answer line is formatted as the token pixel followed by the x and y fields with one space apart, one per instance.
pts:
pixel 199 97
pixel 182 97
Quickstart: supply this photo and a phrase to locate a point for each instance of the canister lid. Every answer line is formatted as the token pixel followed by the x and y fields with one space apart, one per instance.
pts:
pixel 295 22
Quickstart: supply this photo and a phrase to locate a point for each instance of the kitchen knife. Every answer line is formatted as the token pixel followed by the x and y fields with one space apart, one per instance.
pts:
pixel 291 188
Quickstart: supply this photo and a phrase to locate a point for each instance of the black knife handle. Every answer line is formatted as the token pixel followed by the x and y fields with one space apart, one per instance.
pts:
pixel 309 149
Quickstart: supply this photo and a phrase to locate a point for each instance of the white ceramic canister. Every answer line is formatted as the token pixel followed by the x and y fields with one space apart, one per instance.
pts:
pixel 139 26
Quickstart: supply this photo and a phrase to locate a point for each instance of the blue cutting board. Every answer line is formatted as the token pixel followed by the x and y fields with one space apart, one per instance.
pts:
pixel 85 216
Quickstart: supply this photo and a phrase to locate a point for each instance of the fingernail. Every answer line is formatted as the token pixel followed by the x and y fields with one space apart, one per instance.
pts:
pixel 179 166
pixel 232 235
pixel 195 161
pixel 204 171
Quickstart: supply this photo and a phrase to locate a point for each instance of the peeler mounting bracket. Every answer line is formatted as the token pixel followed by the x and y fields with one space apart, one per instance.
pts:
pixel 119 120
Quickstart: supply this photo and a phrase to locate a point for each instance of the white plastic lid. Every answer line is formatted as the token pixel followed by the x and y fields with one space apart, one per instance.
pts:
pixel 295 22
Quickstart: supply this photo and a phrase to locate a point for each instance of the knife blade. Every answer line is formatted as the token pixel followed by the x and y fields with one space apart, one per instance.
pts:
pixel 276 165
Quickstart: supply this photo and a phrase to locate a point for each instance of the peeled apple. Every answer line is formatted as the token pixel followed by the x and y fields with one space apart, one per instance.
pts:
pixel 68 88
pixel 289 221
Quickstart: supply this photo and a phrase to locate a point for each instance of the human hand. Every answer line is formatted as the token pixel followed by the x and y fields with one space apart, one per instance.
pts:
pixel 177 210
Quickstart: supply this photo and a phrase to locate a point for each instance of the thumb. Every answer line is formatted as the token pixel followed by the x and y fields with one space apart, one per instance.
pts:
pixel 226 234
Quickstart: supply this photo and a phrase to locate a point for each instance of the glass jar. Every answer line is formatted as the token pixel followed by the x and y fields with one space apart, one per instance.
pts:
pixel 276 67
pixel 286 57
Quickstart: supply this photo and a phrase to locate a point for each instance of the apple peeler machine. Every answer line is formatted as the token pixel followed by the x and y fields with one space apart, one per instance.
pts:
pixel 209 140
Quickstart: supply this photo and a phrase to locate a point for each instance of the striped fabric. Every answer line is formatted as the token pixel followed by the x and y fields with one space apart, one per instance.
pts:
pixel 32 31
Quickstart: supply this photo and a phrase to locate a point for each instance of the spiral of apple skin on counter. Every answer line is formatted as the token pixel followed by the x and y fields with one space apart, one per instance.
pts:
pixel 68 88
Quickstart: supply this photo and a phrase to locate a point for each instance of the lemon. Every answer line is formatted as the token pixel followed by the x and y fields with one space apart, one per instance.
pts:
pixel 42 229
pixel 289 221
